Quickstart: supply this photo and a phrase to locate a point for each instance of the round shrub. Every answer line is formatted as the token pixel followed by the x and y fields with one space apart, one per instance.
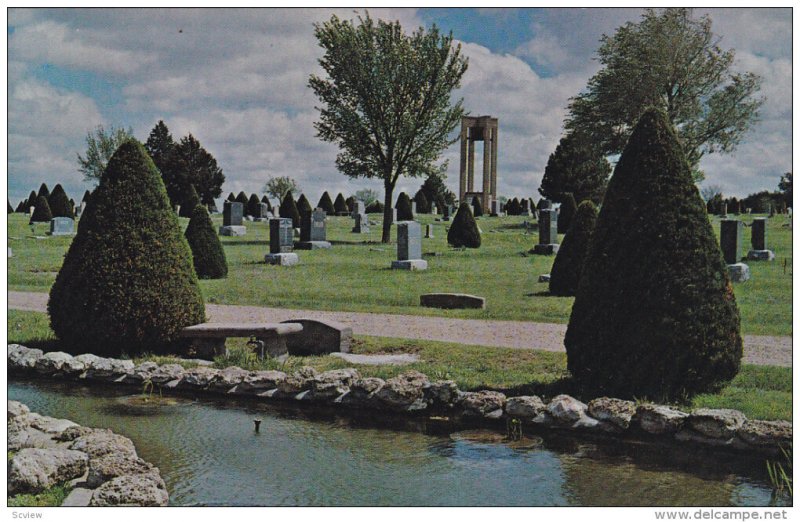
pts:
pixel 477 206
pixel 423 206
pixel 566 212
pixel 340 205
pixel 208 255
pixel 253 207
pixel 464 231
pixel 376 207
pixel 127 284
pixel 288 209
pixel 403 207
pixel 326 204
pixel 655 315
pixel 42 213
pixel 568 265
pixel 303 206
pixel 59 203
pixel 189 202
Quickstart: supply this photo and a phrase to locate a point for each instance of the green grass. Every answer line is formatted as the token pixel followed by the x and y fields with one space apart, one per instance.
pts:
pixel 355 276
pixel 51 497
pixel 761 392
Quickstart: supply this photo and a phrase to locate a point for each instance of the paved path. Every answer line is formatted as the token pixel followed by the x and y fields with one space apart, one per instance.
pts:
pixel 510 334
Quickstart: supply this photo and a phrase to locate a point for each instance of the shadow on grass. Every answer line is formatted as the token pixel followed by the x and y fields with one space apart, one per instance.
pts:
pixel 543 293
pixel 565 385
pixel 45 345
pixel 245 243
pixel 357 243
pixel 517 226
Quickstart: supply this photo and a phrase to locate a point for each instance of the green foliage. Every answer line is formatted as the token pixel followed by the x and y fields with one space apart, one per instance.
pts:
pixel 340 205
pixel 59 203
pixel 253 206
pixel 403 207
pixel 42 213
pixel 43 191
pixel 288 209
pixel 127 282
pixel 423 206
pixel 51 497
pixel 764 201
pixel 303 206
pixel 326 204
pixel 367 195
pixel 654 315
pixel 190 201
pixel 464 231
pixel 477 206
pixel 437 192
pixel 513 207
pixel 231 197
pixel 242 198
pixel 208 255
pixel 673 60
pixel 100 146
pixel 576 166
pixel 277 187
pixel 386 98
pixel 376 207
pixel 566 212
pixel 568 265
pixel 785 186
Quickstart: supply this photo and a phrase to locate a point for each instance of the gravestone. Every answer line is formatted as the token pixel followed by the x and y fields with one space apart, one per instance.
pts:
pixel 263 212
pixel 434 208
pixel 495 211
pixel 232 215
pixel 448 212
pixel 724 211
pixel 413 208
pixel 730 240
pixel 758 241
pixel 544 204
pixel 281 243
pixel 178 210
pixel 312 231
pixel 429 231
pixel 358 208
pixel 62 226
pixel 362 225
pixel 409 247
pixel 394 215
pixel 548 233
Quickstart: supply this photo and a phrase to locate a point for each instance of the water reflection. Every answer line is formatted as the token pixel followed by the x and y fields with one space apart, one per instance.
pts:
pixel 209 454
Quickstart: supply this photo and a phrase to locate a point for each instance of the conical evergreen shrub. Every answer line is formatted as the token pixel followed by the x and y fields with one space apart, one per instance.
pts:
pixel 340 205
pixel 42 213
pixel 21 206
pixel 351 203
pixel 403 207
pixel 31 201
pixel 477 207
pixel 10 208
pixel 127 284
pixel 568 265
pixel 288 209
pixel 464 231
pixel 86 196
pixel 303 206
pixel 59 203
pixel 43 191
pixel 423 206
pixel 242 198
pixel 265 199
pixel 326 204
pixel 253 207
pixel 231 197
pixel 207 253
pixel 566 212
pixel 376 207
pixel 190 201
pixel 655 314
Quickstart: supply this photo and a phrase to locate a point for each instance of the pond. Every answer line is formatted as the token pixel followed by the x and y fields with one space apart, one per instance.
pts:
pixel 209 454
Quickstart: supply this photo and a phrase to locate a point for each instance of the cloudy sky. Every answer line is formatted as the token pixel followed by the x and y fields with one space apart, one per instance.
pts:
pixel 237 80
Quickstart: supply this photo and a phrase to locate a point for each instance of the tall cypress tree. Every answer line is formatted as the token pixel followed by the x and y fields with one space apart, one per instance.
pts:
pixel 655 315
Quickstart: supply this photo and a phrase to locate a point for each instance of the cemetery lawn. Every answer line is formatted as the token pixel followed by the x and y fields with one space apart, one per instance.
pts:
pixel 355 276
pixel 760 392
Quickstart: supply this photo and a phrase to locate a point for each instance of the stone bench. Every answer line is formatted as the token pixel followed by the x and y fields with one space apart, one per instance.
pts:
pixel 319 337
pixel 452 301
pixel 208 339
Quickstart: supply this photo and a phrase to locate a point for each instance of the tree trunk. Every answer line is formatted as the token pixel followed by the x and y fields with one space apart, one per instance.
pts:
pixel 387 212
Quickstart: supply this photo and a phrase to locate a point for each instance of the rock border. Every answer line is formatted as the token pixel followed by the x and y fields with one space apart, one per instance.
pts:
pixel 101 467
pixel 412 393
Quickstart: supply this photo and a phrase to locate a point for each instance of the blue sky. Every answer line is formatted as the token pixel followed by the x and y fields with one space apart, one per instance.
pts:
pixel 237 80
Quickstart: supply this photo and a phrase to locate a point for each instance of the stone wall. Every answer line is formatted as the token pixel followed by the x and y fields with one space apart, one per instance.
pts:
pixel 412 393
pixel 100 467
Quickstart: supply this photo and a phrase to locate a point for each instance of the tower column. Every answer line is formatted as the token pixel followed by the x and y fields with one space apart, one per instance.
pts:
pixel 462 178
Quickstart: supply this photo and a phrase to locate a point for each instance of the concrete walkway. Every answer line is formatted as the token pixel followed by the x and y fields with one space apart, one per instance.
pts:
pixel 765 350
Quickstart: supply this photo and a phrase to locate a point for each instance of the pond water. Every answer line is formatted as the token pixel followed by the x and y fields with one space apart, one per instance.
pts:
pixel 209 454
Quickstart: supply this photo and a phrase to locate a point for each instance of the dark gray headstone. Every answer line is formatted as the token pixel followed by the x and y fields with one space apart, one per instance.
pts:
pixel 759 234
pixel 232 214
pixel 730 240
pixel 358 208
pixel 362 224
pixel 281 235
pixel 548 227
pixel 544 204
pixel 495 207
pixel 62 226
pixel 409 240
pixel 312 226
pixel 263 210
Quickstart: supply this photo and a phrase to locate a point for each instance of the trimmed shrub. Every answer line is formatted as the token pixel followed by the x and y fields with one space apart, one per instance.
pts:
pixel 351 203
pixel 31 201
pixel 566 212
pixel 376 207
pixel 231 197
pixel 189 202
pixel 440 204
pixel 21 206
pixel 403 207
pixel 253 207
pixel 477 206
pixel 303 206
pixel 288 209
pixel 513 207
pixel 127 284
pixel 340 205
pixel 568 265
pixel 655 315
pixel 242 198
pixel 423 206
pixel 43 191
pixel 86 196
pixel 464 231
pixel 326 204
pixel 265 199
pixel 59 203
pixel 42 213
pixel 208 255
pixel 10 208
